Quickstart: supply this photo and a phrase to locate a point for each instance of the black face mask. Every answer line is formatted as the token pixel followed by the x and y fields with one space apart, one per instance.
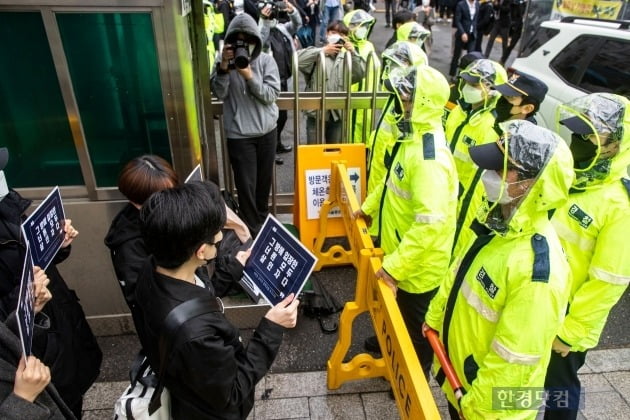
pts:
pixel 583 151
pixel 503 109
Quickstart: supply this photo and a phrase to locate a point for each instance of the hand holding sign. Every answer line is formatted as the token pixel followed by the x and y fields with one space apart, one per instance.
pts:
pixel 42 294
pixel 285 312
pixel 69 233
pixel 31 378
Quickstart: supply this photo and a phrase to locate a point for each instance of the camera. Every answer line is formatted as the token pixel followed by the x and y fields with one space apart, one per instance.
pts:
pixel 241 54
pixel 276 6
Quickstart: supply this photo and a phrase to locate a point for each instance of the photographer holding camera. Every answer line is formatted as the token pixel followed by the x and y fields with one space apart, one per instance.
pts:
pixel 248 83
pixel 278 23
pixel 336 47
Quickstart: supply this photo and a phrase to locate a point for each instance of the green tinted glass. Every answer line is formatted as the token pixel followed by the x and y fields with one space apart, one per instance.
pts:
pixel 33 120
pixel 113 65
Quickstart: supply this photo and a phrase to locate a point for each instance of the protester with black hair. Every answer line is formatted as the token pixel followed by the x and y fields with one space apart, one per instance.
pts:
pixel 211 373
pixel 139 178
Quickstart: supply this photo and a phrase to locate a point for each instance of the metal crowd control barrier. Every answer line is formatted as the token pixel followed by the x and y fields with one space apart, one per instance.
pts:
pixel 399 363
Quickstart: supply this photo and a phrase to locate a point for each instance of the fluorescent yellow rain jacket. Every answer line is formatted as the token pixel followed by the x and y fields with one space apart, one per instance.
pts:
pixel 209 20
pixel 386 131
pixel 364 48
pixel 472 128
pixel 594 227
pixel 499 308
pixel 415 206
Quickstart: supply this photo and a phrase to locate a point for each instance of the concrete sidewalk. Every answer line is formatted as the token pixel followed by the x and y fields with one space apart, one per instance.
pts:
pixel 605 378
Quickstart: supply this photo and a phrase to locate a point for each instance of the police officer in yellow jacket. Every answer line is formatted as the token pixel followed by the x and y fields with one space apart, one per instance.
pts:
pixel 471 123
pixel 417 199
pixel 360 24
pixel 593 226
pixel 400 54
pixel 499 309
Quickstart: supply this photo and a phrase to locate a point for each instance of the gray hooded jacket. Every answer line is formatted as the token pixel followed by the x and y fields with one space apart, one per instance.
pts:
pixel 249 107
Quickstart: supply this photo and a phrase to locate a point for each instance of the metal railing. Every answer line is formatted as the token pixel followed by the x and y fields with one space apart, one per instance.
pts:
pixel 369 102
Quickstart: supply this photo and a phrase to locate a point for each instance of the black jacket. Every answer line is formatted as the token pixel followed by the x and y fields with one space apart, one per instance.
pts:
pixel 211 375
pixel 462 20
pixel 70 348
pixel 129 254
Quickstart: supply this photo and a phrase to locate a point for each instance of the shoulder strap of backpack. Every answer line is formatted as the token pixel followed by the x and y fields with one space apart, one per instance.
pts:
pixel 173 323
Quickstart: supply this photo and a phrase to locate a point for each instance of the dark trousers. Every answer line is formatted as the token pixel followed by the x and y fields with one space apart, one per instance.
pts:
pixel 282 114
pixel 413 308
pixel 562 377
pixel 459 46
pixel 390 9
pixel 502 30
pixel 282 120
pixel 513 40
pixel 252 162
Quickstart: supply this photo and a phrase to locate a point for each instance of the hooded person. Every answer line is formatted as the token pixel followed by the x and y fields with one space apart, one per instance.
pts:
pixel 248 83
pixel 402 54
pixel 413 32
pixel 593 226
pixel 360 24
pixel 469 124
pixel 504 298
pixel 458 84
pixel 337 46
pixel 414 205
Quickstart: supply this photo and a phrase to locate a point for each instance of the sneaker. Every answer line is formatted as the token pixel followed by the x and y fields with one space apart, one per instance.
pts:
pixel 371 344
pixel 279 161
pixel 387 25
pixel 281 148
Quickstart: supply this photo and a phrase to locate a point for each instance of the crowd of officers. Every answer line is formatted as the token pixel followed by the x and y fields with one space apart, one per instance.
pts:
pixel 498 234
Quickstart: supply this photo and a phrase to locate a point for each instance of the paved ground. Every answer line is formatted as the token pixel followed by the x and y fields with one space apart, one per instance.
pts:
pixel 296 385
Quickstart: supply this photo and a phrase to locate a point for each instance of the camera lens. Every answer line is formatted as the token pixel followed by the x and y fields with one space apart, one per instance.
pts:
pixel 241 57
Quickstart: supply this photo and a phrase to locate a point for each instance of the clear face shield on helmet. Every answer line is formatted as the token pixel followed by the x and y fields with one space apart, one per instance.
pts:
pixel 401 54
pixel 359 23
pixel 479 77
pixel 401 83
pixel 596 125
pixel 522 152
pixel 418 34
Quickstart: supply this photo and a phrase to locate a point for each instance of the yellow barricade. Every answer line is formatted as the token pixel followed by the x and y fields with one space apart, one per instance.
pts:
pixel 311 198
pixel 399 363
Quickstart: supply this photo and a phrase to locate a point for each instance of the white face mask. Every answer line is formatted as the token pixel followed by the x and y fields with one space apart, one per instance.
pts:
pixel 333 38
pixel 471 94
pixel 361 32
pixel 496 188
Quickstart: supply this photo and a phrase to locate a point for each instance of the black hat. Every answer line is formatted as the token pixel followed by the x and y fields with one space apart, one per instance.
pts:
pixel 487 156
pixel 577 125
pixel 4 157
pixel 522 84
